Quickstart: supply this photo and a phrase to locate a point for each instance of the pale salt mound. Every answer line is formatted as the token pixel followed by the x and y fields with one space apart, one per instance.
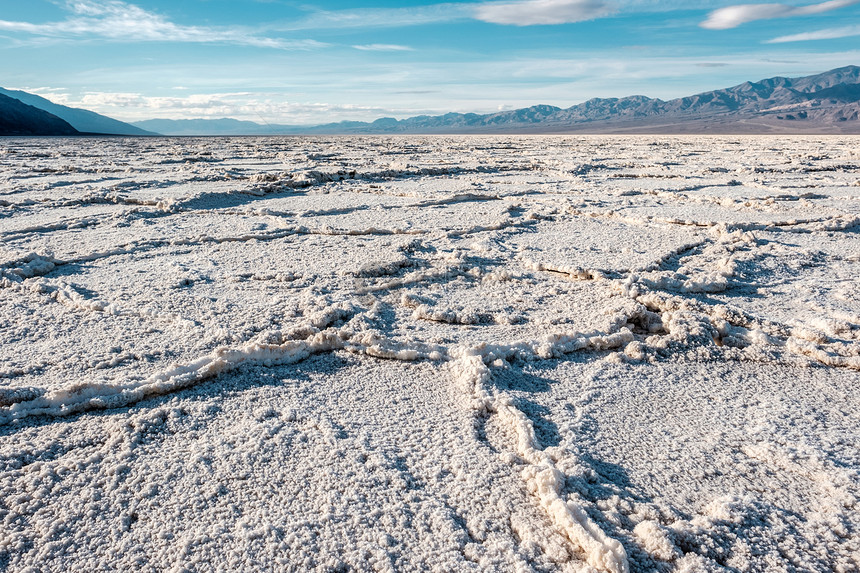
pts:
pixel 446 353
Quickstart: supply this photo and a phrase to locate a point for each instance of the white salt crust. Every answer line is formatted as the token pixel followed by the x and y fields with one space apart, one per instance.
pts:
pixel 442 353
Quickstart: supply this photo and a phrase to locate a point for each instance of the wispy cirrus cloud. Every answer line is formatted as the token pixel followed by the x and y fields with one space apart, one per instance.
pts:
pixel 734 16
pixel 382 17
pixel 825 34
pixel 369 91
pixel 515 13
pixel 383 48
pixel 541 12
pixel 121 21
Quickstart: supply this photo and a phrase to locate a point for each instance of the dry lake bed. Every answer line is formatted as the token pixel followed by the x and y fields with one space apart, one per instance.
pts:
pixel 430 354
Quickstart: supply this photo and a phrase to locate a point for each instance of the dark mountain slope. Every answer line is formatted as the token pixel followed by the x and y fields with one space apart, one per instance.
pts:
pixel 83 120
pixel 18 118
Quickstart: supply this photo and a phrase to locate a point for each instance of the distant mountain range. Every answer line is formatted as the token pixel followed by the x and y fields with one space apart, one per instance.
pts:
pixel 82 120
pixel 823 103
pixel 224 126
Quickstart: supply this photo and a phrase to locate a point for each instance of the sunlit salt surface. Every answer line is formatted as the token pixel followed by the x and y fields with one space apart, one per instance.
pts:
pixel 430 354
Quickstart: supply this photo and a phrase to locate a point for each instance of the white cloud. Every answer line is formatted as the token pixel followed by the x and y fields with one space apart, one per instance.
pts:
pixel 383 48
pixel 826 34
pixel 734 16
pixel 260 108
pixel 537 12
pixel 120 21
pixel 383 17
pixel 517 13
pixel 367 91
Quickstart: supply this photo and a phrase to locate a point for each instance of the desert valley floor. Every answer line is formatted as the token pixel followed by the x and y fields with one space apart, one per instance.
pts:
pixel 430 354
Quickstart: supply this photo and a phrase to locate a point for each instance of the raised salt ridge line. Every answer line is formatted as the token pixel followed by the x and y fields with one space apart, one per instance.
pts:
pixel 80 399
pixel 38 265
pixel 837 222
pixel 687 320
pixel 313 338
pixel 627 457
pixel 542 477
pixel 715 275
pixel 277 182
pixel 16 270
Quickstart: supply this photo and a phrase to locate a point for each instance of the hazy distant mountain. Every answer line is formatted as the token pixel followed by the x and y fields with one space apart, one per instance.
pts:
pixel 81 119
pixel 823 103
pixel 18 118
pixel 224 126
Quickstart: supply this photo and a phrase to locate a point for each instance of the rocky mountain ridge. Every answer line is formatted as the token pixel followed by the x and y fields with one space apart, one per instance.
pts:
pixel 83 120
pixel 18 118
pixel 823 103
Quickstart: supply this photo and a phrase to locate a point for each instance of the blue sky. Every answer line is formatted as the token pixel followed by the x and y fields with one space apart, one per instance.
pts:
pixel 305 62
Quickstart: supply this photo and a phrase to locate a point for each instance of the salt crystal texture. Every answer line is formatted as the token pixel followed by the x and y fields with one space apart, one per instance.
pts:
pixel 430 354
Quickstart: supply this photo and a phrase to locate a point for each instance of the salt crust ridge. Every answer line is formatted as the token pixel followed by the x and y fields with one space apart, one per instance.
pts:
pixel 658 317
pixel 469 368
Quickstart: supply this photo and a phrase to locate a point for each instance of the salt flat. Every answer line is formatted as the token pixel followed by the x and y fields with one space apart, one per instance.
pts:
pixel 430 354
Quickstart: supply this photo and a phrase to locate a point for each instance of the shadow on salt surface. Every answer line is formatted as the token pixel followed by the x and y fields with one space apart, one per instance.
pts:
pixel 546 430
pixel 588 481
pixel 533 383
pixel 462 217
pixel 602 245
pixel 521 383
pixel 804 281
pixel 335 463
pixel 755 473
